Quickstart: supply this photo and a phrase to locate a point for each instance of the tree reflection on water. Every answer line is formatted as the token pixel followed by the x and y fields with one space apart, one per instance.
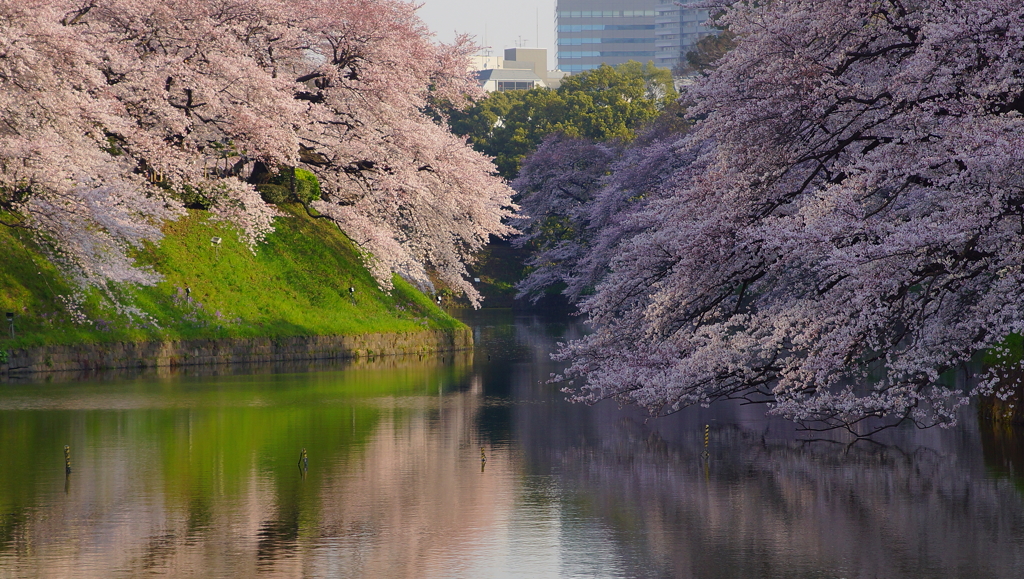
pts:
pixel 476 468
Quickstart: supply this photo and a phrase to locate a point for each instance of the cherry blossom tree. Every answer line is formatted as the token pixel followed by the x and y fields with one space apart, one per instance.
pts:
pixel 114 109
pixel 574 193
pixel 850 226
pixel 556 185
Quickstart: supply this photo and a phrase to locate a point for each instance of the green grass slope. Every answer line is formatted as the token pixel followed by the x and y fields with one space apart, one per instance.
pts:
pixel 297 283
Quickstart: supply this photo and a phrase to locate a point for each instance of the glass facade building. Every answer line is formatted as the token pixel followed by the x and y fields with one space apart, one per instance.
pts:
pixel 676 30
pixel 592 32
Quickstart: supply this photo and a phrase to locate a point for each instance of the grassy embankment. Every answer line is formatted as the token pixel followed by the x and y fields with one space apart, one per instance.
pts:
pixel 297 283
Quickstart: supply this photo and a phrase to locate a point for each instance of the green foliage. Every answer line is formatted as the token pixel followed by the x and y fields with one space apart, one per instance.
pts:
pixel 302 185
pixel 555 228
pixel 307 186
pixel 705 54
pixel 499 266
pixel 625 83
pixel 602 104
pixel 290 184
pixel 114 146
pixel 3 356
pixel 1009 353
pixel 276 194
pixel 194 197
pixel 295 284
pixel 10 197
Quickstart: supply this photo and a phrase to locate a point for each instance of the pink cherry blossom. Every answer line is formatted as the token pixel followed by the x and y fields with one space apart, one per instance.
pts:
pixel 847 226
pixel 113 106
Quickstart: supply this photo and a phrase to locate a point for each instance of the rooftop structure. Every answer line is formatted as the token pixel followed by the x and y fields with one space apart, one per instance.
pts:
pixel 519 69
pixel 481 62
pixel 502 79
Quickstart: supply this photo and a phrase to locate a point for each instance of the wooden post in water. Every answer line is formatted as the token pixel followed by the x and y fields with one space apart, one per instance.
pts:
pixel 67 469
pixel 706 455
pixel 707 438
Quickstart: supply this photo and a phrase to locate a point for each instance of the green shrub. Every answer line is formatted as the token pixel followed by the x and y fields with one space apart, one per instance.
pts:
pixel 194 197
pixel 288 185
pixel 297 184
pixel 273 193
pixel 307 186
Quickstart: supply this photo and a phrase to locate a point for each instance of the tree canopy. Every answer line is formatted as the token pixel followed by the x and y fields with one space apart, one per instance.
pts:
pixel 117 112
pixel 706 53
pixel 842 226
pixel 573 193
pixel 601 104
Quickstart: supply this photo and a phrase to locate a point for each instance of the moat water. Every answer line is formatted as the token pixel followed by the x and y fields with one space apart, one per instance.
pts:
pixel 472 466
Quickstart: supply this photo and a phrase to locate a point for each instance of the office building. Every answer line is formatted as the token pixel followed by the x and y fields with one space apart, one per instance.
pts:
pixel 676 31
pixel 592 32
pixel 595 32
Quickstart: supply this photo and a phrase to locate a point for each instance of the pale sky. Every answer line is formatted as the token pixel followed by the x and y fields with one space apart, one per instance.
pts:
pixel 497 24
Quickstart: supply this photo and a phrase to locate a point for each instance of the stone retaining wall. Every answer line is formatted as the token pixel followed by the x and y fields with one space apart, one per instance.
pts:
pixel 84 357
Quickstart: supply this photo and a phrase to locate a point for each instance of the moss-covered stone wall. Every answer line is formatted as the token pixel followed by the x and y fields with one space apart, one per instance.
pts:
pixel 230 351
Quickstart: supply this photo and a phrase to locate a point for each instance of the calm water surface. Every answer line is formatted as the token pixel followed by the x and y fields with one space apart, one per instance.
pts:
pixel 470 466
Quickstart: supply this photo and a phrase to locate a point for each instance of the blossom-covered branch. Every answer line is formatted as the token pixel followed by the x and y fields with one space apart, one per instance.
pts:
pixel 117 112
pixel 849 226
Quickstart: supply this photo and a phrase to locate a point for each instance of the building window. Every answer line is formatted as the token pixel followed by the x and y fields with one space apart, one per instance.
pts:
pixel 606 14
pixel 592 27
pixel 578 67
pixel 504 85
pixel 604 53
pixel 581 41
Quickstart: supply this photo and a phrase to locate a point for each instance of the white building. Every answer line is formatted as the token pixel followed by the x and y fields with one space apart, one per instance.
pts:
pixel 519 69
